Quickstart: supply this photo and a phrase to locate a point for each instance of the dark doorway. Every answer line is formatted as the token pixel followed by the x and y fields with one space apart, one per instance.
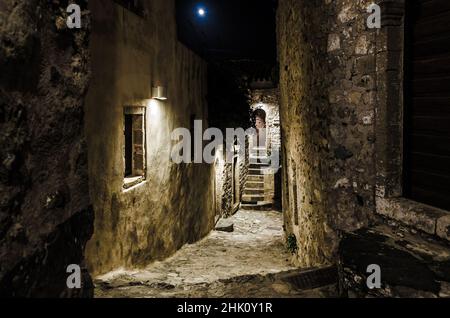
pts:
pixel 236 192
pixel 427 102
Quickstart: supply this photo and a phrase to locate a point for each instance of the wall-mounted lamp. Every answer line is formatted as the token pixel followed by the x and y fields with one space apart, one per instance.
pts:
pixel 159 93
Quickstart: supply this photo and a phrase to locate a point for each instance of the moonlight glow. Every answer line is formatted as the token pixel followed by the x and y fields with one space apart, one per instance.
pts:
pixel 201 12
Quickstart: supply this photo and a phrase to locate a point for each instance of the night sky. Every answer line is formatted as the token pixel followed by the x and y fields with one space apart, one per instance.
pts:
pixel 230 29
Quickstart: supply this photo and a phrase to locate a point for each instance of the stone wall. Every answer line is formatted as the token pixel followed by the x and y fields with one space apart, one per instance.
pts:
pixel 224 175
pixel 327 88
pixel 226 197
pixel 174 205
pixel 389 105
pixel 45 213
pixel 244 165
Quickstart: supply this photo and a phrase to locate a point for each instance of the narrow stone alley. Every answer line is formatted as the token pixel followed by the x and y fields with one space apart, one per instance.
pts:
pixel 251 261
pixel 224 149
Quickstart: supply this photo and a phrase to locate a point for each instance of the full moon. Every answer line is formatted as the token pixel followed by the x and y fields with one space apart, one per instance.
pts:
pixel 201 12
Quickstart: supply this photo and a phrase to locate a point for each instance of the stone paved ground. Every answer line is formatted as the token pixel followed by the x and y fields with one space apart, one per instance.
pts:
pixel 248 262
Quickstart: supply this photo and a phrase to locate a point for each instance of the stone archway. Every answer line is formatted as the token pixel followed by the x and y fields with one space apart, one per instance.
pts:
pixel 260 118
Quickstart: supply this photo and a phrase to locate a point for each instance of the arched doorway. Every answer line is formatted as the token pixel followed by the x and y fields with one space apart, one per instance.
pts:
pixel 259 144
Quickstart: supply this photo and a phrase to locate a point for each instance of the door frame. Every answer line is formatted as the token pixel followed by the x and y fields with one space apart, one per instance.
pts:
pixel 390 124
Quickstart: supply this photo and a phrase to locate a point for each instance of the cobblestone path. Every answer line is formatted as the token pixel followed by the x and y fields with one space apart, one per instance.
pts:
pixel 249 262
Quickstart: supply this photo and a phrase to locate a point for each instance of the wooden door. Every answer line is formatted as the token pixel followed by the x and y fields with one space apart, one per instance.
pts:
pixel 427 102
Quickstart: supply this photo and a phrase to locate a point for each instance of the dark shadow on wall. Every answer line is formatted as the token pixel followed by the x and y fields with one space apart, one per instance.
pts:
pixel 45 212
pixel 278 190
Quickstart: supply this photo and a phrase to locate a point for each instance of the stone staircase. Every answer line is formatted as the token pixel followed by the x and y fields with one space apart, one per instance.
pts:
pixel 255 197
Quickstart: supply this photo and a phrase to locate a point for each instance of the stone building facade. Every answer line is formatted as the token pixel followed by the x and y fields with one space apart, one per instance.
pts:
pixel 342 114
pixel 327 97
pixel 174 203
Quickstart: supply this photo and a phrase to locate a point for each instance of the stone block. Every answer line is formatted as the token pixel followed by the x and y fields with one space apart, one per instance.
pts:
pixel 225 225
pixel 414 214
pixel 443 227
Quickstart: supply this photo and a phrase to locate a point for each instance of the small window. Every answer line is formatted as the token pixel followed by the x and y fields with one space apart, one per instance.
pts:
pixel 134 132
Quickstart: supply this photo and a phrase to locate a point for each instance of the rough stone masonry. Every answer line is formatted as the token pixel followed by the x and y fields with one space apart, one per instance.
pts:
pixel 327 87
pixel 45 212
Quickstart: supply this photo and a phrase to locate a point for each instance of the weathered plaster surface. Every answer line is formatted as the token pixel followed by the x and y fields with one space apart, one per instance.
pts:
pixel 175 204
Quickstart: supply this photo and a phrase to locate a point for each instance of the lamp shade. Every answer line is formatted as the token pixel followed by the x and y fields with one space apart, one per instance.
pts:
pixel 159 92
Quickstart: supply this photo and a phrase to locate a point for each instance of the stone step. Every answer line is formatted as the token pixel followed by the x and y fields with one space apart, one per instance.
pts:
pixel 259 206
pixel 259 148
pixel 255 172
pixel 255 178
pixel 259 165
pixel 251 191
pixel 252 198
pixel 254 185
pixel 412 264
pixel 260 172
pixel 259 155
pixel 264 159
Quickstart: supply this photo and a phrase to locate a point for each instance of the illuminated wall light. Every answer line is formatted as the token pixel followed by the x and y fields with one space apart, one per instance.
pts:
pixel 155 107
pixel 148 102
pixel 159 93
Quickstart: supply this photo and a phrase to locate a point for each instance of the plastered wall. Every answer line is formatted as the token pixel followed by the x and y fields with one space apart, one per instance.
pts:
pixel 175 204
